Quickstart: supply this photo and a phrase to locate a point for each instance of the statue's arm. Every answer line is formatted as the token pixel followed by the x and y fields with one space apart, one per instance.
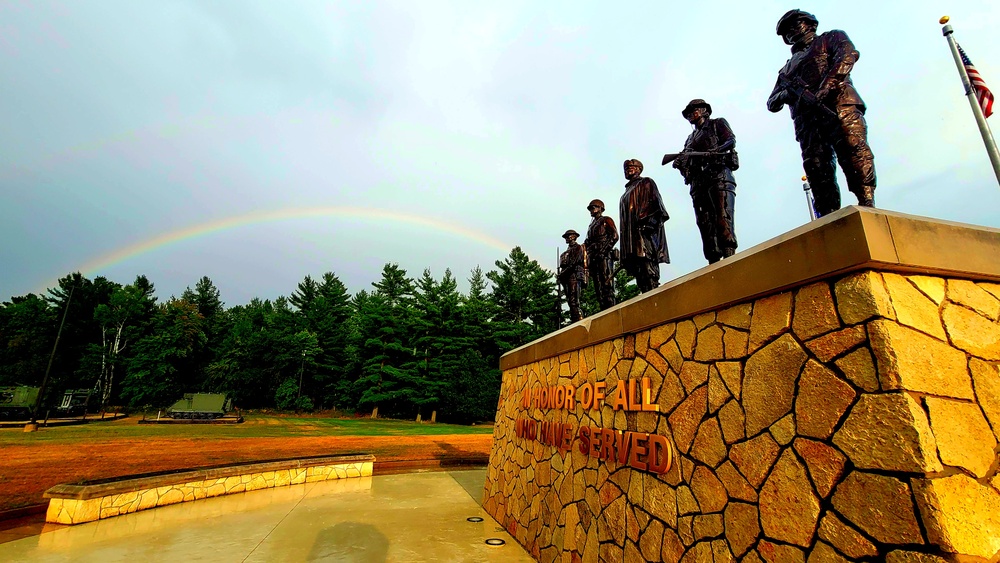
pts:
pixel 655 214
pixel 609 223
pixel 727 139
pixel 778 98
pixel 683 162
pixel 842 55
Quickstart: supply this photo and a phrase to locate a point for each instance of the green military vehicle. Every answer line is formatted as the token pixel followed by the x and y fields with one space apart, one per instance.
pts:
pixel 74 402
pixel 201 405
pixel 16 402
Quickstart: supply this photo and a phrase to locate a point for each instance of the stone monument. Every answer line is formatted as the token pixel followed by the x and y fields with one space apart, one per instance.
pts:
pixel 829 395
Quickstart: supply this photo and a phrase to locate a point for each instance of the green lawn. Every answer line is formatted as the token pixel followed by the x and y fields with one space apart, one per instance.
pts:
pixel 256 426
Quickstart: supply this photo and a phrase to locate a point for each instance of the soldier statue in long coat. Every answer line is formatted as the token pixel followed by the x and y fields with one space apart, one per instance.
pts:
pixel 643 240
pixel 828 112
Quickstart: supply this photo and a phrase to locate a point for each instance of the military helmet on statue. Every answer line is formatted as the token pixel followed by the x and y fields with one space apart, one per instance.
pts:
pixel 790 18
pixel 696 103
pixel 570 233
pixel 633 162
pixel 596 203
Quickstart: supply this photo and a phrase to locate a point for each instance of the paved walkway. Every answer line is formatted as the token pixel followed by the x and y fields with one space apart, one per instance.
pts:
pixel 406 517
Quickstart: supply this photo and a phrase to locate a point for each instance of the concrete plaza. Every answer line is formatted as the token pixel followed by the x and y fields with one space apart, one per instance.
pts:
pixel 404 517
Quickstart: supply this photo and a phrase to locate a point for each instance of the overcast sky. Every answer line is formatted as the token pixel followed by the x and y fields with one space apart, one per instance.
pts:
pixel 431 134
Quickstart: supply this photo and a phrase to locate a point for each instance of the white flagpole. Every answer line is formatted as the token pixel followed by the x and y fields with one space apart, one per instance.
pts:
pixel 970 93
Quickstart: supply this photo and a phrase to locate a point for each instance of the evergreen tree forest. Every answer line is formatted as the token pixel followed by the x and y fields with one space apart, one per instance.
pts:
pixel 405 346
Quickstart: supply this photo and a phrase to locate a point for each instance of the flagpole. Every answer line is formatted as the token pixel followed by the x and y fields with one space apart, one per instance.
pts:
pixel 970 93
pixel 809 199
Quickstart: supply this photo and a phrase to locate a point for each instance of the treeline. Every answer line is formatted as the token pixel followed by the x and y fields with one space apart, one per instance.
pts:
pixel 406 346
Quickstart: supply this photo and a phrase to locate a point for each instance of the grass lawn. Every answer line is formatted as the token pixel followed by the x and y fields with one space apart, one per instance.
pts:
pixel 31 463
pixel 255 426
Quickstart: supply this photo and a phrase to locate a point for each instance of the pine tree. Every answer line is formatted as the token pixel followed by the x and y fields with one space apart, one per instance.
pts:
pixel 324 310
pixel 473 396
pixel 27 330
pixel 308 346
pixel 245 366
pixel 75 365
pixel 208 301
pixel 441 338
pixel 304 297
pixel 625 287
pixel 386 324
pixel 206 297
pixel 525 299
pixel 160 369
pixel 479 311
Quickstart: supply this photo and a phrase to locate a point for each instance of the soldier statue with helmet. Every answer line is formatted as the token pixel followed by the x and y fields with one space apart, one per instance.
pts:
pixel 707 163
pixel 827 111
pixel 643 240
pixel 572 273
pixel 602 235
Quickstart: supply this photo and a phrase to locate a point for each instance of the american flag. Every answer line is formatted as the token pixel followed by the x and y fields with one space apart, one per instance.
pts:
pixel 983 93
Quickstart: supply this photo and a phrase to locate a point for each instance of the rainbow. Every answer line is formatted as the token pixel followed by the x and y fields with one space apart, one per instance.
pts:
pixel 124 253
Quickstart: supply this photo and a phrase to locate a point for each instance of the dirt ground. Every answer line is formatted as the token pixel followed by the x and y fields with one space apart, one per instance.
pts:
pixel 30 467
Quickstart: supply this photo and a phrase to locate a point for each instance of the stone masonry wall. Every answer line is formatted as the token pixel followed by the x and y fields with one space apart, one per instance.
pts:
pixel 78 511
pixel 847 420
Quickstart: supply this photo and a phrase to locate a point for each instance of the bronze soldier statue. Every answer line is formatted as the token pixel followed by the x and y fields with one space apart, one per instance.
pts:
pixel 707 163
pixel 600 245
pixel 827 111
pixel 642 215
pixel 572 273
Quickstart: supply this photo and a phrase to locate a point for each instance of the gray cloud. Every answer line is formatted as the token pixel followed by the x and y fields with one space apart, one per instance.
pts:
pixel 123 121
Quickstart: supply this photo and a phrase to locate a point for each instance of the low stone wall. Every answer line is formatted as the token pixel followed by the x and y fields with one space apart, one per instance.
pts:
pixel 183 514
pixel 76 504
pixel 851 416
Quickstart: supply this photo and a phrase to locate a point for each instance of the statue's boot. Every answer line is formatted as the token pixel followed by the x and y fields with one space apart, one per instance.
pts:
pixel 867 196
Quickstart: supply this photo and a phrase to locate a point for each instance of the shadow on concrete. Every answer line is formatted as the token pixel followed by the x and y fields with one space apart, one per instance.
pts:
pixel 473 483
pixel 350 542
pixel 449 457
pixel 457 458
pixel 31 524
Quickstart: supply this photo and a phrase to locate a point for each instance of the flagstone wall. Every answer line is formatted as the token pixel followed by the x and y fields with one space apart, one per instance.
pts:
pixel 852 418
pixel 76 504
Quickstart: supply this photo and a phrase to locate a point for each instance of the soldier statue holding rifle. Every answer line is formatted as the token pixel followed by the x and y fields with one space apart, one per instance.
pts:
pixel 572 273
pixel 601 253
pixel 828 112
pixel 707 163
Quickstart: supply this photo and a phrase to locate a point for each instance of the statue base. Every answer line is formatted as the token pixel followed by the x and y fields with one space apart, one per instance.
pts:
pixel 833 393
